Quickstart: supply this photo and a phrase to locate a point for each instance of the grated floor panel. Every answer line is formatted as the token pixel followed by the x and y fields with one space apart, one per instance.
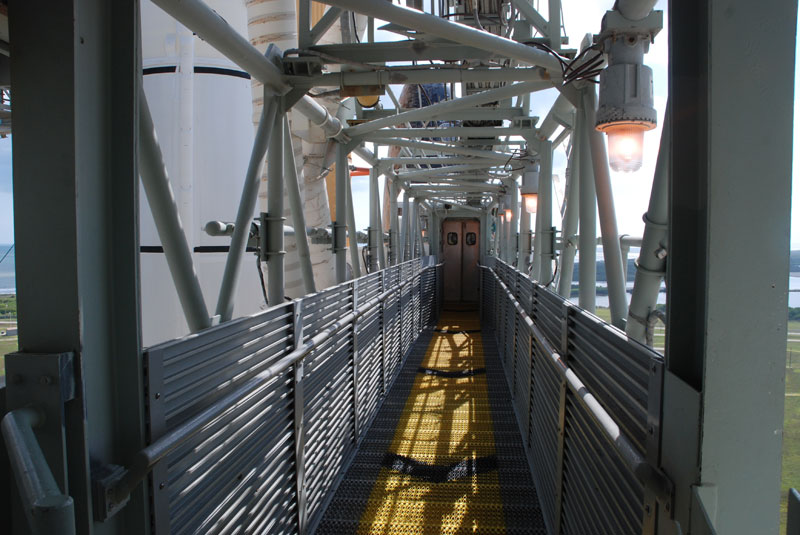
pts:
pixel 444 453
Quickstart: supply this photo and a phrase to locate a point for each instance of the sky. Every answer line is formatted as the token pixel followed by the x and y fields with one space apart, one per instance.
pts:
pixel 631 190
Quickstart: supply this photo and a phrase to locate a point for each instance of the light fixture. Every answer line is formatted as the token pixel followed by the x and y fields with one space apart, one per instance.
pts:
pixel 625 110
pixel 530 187
pixel 507 206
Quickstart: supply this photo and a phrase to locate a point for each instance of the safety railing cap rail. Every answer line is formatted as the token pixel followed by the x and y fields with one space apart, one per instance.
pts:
pixel 650 476
pixel 115 483
pixel 48 509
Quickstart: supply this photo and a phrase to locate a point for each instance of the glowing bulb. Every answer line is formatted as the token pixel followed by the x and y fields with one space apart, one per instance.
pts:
pixel 508 214
pixel 625 146
pixel 531 202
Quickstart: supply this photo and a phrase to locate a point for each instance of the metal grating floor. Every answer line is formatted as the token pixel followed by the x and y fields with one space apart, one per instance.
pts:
pixel 444 453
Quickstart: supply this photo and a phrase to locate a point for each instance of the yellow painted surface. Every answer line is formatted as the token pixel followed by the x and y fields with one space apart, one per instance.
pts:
pixel 444 421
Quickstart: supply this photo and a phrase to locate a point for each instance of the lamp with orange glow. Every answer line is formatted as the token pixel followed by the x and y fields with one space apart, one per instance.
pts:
pixel 507 208
pixel 530 187
pixel 625 110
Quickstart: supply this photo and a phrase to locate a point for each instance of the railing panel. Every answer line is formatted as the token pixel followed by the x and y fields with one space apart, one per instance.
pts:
pixel 568 371
pixel 271 460
pixel 239 462
pixel 601 495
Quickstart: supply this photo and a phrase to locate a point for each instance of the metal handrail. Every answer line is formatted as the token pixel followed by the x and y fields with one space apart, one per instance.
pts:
pixel 650 476
pixel 144 461
pixel 48 509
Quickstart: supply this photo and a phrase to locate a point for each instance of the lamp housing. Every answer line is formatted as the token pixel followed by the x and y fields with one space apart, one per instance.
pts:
pixel 625 110
pixel 530 187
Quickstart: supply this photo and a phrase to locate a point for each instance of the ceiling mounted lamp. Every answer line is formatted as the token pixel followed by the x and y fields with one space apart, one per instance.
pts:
pixel 530 187
pixel 507 206
pixel 625 110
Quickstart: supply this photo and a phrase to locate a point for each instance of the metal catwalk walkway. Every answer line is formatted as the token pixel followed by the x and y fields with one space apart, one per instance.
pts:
pixel 444 453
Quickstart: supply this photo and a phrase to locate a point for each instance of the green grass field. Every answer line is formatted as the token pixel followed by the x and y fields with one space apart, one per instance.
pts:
pixel 790 476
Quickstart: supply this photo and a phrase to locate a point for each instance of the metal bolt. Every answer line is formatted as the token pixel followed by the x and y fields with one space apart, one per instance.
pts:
pixel 45 380
pixel 661 253
pixel 162 485
pixel 158 395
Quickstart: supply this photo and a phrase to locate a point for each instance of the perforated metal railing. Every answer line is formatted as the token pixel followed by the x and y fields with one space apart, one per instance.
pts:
pixel 588 402
pixel 312 372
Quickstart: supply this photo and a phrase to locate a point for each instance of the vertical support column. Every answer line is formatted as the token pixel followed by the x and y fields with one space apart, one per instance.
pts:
pixel 514 234
pixel 612 255
pixel 625 250
pixel 419 232
pixel 275 252
pixel 299 424
pixel 352 233
pixel 374 222
pixel 186 123
pixel 569 225
pixel 502 244
pixel 168 223
pixel 247 205
pixel 379 224
pixel 498 230
pixel 404 229
pixel 339 226
pixel 412 230
pixel 296 207
pixel 394 246
pixel 304 24
pixel 524 240
pixel 652 263
pixel 545 231
pixel 727 329
pixel 536 272
pixel 76 164
pixel 587 239
pixel 417 249
pixel 554 23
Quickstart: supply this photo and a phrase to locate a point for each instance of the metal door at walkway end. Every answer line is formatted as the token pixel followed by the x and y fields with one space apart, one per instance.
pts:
pixel 460 252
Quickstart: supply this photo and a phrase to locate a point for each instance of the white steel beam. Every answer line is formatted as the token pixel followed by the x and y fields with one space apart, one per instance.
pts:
pixel 460 33
pixel 446 149
pixel 431 112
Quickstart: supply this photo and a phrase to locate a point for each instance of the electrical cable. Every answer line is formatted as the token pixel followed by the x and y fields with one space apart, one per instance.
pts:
pixel 261 277
pixel 355 27
pixel 476 15
pixel 364 258
pixel 555 272
pixel 571 70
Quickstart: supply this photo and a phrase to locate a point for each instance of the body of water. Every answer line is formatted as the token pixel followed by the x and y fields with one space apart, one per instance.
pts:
pixel 8 283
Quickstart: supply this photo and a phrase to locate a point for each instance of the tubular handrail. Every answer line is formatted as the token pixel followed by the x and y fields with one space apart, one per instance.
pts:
pixel 148 457
pixel 651 477
pixel 48 509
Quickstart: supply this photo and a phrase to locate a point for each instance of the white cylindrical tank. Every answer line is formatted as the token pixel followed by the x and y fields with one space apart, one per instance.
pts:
pixel 201 107
pixel 275 22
